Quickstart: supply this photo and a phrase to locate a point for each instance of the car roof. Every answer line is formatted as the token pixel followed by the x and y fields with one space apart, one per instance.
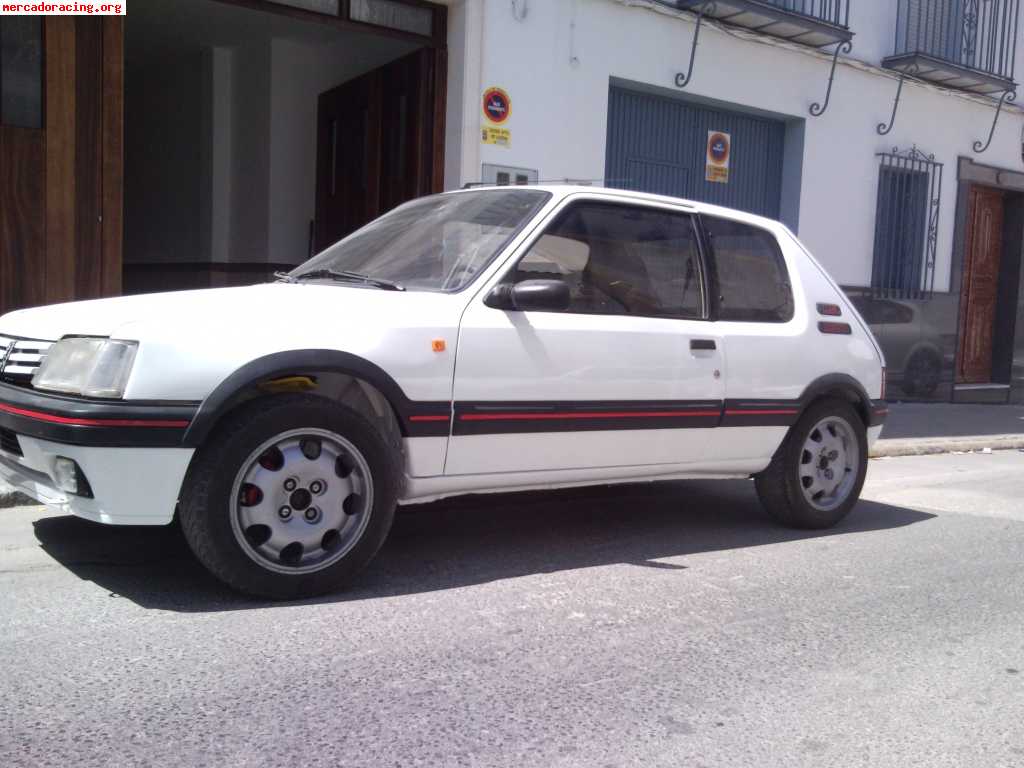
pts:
pixel 562 191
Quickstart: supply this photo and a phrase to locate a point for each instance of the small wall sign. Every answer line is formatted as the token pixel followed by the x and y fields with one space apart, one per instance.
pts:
pixel 719 151
pixel 501 137
pixel 497 105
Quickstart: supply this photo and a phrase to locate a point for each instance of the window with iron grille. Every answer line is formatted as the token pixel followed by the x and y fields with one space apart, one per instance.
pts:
pixel 906 225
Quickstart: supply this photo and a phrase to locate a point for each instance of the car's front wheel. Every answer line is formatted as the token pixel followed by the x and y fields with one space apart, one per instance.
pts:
pixel 816 476
pixel 291 497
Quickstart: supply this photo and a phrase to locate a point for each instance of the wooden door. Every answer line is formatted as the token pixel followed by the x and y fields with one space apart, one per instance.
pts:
pixel 61 171
pixel 406 117
pixel 380 143
pixel 348 158
pixel 979 292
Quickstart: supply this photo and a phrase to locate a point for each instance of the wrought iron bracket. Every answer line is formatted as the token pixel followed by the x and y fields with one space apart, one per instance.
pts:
pixel 884 128
pixel 1008 95
pixel 683 78
pixel 817 110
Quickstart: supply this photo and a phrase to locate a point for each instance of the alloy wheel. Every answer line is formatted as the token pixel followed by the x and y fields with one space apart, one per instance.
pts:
pixel 301 501
pixel 829 463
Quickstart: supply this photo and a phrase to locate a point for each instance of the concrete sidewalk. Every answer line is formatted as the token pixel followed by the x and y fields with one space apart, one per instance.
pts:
pixel 913 429
pixel 917 429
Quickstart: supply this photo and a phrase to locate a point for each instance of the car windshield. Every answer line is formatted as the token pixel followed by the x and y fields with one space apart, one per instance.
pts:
pixel 437 243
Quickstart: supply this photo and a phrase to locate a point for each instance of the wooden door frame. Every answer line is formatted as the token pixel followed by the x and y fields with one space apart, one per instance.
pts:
pixel 970 172
pixel 967 265
pixel 76 193
pixel 64 256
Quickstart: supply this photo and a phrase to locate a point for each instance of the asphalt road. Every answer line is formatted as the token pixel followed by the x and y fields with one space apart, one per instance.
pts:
pixel 667 625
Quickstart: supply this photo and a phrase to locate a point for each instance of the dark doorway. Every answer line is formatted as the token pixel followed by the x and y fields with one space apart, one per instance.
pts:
pixel 979 293
pixel 223 134
pixel 377 143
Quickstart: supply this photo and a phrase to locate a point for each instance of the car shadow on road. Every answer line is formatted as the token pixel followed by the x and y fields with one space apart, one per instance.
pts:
pixel 468 541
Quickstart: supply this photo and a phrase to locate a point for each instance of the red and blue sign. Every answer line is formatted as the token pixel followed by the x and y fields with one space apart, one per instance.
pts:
pixel 497 105
pixel 718 147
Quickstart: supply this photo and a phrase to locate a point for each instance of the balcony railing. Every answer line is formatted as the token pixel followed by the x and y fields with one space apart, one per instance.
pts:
pixel 966 44
pixel 835 12
pixel 815 23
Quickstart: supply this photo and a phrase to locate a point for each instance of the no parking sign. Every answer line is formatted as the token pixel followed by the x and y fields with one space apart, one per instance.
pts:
pixel 497 105
pixel 719 150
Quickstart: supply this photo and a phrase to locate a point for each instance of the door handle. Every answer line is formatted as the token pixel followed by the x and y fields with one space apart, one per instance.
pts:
pixel 702 345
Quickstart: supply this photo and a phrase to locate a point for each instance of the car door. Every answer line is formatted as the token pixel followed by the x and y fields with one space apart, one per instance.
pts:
pixel 628 374
pixel 771 357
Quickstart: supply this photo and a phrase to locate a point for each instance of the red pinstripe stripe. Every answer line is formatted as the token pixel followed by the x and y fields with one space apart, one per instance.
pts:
pixel 584 415
pixel 787 412
pixel 80 422
pixel 428 418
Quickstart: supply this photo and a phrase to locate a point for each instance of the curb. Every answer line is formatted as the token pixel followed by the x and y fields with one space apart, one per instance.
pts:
pixel 936 445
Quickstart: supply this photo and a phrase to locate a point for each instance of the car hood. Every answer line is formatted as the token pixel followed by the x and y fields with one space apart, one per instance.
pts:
pixel 221 312
pixel 190 341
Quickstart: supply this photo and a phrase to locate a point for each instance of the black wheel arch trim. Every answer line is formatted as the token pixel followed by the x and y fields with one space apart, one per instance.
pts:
pixel 874 413
pixel 278 364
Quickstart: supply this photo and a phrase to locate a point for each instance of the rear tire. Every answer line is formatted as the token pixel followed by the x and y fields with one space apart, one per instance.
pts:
pixel 816 476
pixel 291 497
pixel 922 374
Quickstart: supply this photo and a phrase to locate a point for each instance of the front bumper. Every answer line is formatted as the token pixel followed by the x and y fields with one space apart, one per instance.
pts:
pixel 130 453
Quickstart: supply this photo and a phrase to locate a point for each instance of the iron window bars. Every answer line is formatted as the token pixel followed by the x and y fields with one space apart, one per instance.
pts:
pixel 906 225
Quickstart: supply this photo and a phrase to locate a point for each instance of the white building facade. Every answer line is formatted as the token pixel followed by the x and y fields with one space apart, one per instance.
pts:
pixel 595 97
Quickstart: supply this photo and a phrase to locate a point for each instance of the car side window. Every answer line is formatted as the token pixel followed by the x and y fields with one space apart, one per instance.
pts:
pixel 753 284
pixel 620 260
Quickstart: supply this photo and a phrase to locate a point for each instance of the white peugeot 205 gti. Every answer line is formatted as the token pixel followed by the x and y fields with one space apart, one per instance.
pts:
pixel 492 339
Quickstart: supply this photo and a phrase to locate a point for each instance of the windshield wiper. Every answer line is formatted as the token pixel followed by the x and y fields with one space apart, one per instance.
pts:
pixel 344 276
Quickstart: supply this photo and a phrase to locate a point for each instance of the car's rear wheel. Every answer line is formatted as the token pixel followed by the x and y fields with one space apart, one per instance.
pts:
pixel 291 497
pixel 816 476
pixel 922 374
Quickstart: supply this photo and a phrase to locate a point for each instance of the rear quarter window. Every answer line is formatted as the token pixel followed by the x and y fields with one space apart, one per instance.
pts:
pixel 750 273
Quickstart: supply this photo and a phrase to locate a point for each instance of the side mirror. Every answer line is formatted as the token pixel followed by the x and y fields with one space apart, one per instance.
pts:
pixel 531 296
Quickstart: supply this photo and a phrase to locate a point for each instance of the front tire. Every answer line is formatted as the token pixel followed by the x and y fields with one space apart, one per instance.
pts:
pixel 291 497
pixel 816 476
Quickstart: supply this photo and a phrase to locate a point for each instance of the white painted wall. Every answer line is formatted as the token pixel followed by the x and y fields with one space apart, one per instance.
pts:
pixel 557 62
pixel 250 138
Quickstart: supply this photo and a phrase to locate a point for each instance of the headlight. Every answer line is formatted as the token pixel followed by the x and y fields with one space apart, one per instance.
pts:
pixel 87 367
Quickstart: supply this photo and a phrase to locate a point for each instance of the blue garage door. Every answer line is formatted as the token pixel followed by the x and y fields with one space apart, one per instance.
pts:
pixel 658 144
